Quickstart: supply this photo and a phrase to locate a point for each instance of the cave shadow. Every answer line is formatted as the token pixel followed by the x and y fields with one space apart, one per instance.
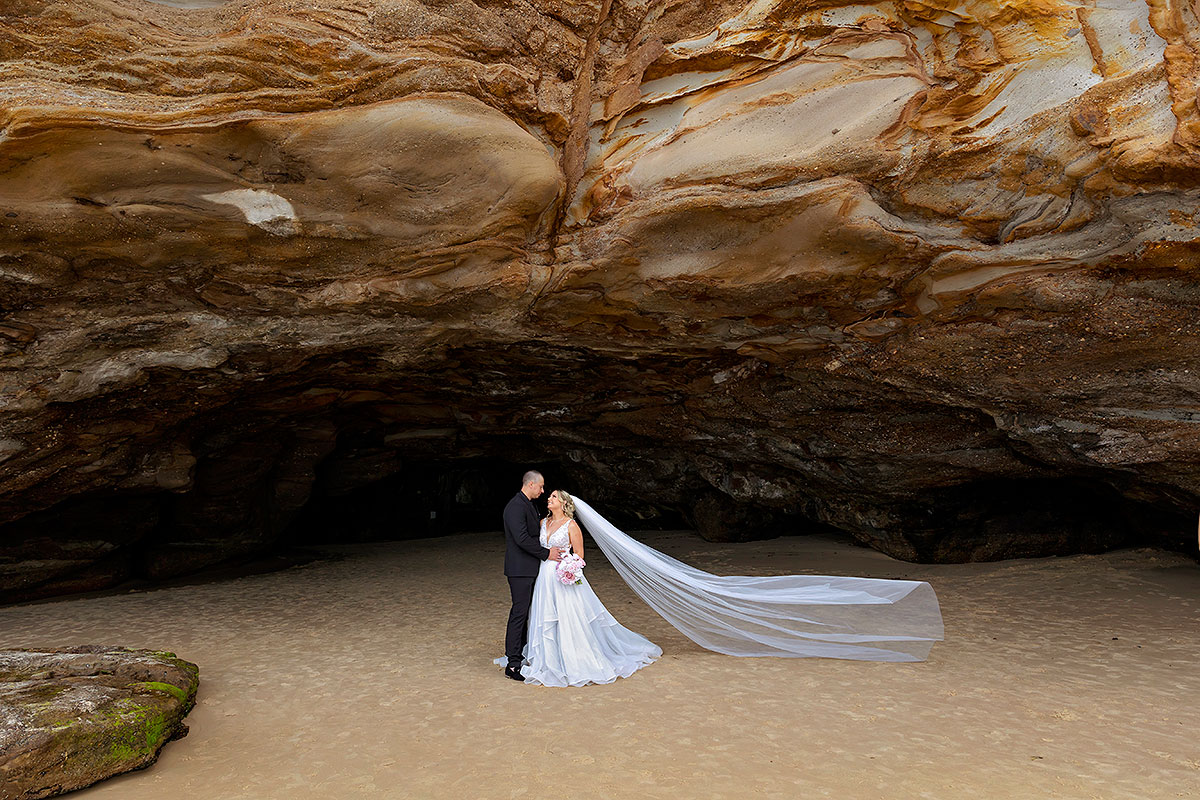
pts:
pixel 422 499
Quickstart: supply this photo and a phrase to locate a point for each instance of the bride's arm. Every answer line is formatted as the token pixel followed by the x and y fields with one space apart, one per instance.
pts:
pixel 576 539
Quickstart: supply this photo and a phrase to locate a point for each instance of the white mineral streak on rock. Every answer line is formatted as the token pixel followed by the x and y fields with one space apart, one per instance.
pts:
pixel 1125 41
pixel 267 210
pixel 803 126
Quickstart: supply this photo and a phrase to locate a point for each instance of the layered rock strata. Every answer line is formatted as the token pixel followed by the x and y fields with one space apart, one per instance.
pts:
pixel 924 272
pixel 72 717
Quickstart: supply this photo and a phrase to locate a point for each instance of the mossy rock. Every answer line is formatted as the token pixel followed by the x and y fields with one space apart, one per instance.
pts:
pixel 72 717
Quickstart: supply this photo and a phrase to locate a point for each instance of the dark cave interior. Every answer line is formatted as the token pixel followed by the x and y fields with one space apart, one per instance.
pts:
pixel 276 454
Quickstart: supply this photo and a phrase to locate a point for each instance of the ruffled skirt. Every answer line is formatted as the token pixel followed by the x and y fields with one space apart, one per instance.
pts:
pixel 574 641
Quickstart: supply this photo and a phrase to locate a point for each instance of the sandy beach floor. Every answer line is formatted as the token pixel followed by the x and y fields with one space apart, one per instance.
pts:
pixel 371 676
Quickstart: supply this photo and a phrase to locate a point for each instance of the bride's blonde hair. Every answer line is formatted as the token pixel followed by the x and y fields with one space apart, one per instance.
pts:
pixel 567 503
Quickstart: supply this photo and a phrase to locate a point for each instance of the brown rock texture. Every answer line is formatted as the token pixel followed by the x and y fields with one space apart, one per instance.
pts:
pixel 72 717
pixel 922 271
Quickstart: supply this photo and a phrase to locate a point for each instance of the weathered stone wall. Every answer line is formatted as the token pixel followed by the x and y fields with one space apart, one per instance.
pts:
pixel 923 271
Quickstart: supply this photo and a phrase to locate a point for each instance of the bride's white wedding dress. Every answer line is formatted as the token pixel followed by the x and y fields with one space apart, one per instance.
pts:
pixel 573 640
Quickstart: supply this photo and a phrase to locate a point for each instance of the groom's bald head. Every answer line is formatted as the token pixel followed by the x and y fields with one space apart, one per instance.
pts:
pixel 532 484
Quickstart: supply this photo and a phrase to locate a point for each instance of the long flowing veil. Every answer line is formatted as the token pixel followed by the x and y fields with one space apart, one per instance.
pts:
pixel 867 619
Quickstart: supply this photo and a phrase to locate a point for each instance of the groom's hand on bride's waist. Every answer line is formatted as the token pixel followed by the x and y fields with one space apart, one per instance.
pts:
pixel 555 554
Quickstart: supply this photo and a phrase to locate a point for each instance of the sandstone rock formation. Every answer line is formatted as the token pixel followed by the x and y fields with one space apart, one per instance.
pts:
pixel 70 718
pixel 924 271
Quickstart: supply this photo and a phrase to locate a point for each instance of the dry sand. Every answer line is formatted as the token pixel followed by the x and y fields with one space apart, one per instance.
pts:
pixel 371 676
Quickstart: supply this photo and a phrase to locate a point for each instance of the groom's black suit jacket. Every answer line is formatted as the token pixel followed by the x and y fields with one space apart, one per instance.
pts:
pixel 523 553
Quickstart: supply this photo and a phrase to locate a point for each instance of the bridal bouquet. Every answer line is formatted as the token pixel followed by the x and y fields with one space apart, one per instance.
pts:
pixel 570 569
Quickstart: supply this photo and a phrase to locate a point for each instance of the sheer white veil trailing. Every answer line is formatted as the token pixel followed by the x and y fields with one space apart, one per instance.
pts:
pixel 867 619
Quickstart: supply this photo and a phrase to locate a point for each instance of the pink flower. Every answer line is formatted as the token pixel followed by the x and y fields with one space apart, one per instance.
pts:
pixel 568 571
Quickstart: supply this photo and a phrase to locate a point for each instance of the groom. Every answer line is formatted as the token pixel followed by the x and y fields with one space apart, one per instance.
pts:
pixel 522 556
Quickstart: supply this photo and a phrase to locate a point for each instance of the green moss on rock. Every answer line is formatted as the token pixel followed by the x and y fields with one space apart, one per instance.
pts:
pixel 179 694
pixel 97 716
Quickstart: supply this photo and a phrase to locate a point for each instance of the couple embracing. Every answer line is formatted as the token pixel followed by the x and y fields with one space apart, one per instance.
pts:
pixel 560 634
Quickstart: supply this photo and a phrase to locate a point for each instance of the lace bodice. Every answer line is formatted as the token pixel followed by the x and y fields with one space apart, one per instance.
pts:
pixel 561 538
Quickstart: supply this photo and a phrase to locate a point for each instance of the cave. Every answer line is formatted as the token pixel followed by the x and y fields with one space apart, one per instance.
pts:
pixel 825 287
pixel 342 448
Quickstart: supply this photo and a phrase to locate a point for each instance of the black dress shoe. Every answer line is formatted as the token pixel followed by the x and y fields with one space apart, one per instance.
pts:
pixel 514 673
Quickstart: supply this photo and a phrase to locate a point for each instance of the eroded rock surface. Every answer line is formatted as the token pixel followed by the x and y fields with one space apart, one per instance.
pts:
pixel 922 272
pixel 72 717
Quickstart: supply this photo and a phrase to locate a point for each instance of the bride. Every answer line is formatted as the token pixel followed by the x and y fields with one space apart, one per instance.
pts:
pixel 572 640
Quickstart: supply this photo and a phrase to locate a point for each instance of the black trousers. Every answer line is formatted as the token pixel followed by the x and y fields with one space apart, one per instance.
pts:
pixel 518 619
